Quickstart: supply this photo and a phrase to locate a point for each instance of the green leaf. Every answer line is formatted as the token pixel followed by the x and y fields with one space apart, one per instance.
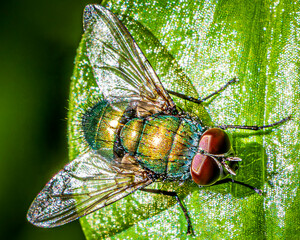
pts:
pixel 196 47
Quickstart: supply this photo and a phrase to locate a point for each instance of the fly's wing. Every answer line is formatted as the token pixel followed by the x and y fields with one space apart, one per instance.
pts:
pixel 85 185
pixel 120 68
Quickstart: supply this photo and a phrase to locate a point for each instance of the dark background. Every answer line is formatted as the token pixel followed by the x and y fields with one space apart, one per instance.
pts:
pixel 37 48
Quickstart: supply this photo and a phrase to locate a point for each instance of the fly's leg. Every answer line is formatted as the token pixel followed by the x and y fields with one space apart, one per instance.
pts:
pixel 199 101
pixel 174 194
pixel 255 128
pixel 226 180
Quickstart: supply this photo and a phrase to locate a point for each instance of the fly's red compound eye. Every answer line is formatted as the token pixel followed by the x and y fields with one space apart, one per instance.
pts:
pixel 215 141
pixel 205 170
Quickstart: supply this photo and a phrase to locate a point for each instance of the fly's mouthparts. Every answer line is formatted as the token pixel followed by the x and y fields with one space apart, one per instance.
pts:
pixel 233 159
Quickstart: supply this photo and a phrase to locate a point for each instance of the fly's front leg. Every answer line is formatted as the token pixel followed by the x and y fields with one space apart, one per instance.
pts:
pixel 226 180
pixel 255 128
pixel 199 101
pixel 174 194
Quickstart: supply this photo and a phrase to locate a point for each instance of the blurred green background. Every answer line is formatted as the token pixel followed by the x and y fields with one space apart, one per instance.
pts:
pixel 38 46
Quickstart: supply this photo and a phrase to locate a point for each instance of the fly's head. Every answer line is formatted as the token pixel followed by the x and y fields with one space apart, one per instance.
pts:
pixel 214 158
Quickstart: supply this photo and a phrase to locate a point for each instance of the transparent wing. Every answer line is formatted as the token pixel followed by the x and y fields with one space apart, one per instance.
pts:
pixel 120 67
pixel 85 185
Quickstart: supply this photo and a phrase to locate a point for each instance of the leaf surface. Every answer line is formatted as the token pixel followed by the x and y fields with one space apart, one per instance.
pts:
pixel 196 47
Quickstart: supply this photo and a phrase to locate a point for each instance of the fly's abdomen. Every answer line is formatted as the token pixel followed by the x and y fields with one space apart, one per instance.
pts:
pixel 163 144
pixel 156 142
pixel 131 134
pixel 101 125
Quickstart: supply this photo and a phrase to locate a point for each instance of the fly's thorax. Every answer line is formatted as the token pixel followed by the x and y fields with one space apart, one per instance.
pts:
pixel 101 125
pixel 163 144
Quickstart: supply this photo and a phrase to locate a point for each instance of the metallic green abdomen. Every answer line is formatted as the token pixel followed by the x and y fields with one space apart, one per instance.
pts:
pixel 163 144
pixel 101 126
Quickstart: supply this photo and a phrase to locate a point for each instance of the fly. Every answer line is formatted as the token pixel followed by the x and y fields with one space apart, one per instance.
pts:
pixel 135 135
